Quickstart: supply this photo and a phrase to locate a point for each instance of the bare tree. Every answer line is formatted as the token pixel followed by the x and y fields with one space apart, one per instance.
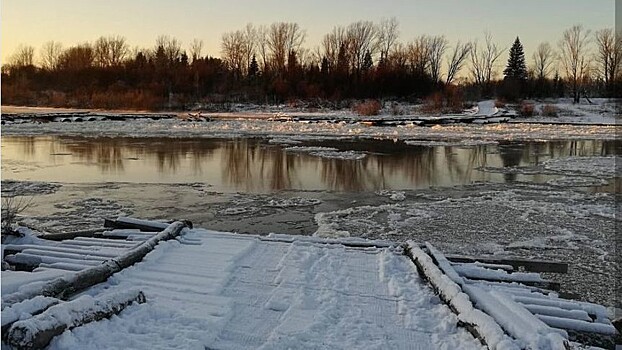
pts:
pixel 438 46
pixel 362 38
pixel 483 61
pixel 110 51
pixel 399 57
pixel 335 45
pixel 283 38
pixel 543 59
pixel 250 45
pixel 23 56
pixel 171 47
pixel 119 50
pixel 388 34
pixel 418 54
pixel 262 45
pixel 50 55
pixel 233 54
pixel 196 47
pixel 77 57
pixel 573 54
pixel 456 61
pixel 609 55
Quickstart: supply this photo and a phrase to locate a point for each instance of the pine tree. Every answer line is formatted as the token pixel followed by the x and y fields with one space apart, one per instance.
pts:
pixel 516 68
pixel 253 68
pixel 367 61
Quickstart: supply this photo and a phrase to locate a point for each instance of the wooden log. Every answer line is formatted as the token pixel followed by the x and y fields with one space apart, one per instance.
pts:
pixel 28 262
pixel 482 326
pixel 64 287
pixel 32 306
pixel 131 223
pixel 16 248
pixel 71 235
pixel 527 265
pixel 38 331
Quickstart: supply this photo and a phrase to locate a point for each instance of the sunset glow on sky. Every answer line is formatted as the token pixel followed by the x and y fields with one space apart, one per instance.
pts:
pixel 34 22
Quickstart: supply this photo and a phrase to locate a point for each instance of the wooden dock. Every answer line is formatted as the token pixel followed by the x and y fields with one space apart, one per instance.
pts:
pixel 497 300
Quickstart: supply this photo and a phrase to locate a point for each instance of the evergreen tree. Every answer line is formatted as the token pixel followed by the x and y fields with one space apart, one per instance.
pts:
pixel 367 61
pixel 516 68
pixel 253 68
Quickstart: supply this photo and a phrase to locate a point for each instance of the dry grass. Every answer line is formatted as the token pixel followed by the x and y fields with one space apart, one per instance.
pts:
pixel 549 110
pixel 527 109
pixel 11 208
pixel 367 108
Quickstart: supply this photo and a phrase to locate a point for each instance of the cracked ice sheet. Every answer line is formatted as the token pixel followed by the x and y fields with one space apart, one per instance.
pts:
pixel 236 292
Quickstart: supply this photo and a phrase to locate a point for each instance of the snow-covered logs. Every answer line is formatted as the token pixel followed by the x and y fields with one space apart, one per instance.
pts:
pixel 63 287
pixel 37 331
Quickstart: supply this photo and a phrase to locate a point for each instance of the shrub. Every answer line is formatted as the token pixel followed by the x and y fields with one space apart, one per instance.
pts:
pixel 499 103
pixel 11 208
pixel 396 109
pixel 449 100
pixel 527 109
pixel 367 108
pixel 549 111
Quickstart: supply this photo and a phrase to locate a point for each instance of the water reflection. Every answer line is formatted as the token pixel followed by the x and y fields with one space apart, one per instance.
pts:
pixel 253 165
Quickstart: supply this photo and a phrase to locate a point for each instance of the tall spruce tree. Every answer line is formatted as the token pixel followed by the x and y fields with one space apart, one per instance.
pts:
pixel 516 68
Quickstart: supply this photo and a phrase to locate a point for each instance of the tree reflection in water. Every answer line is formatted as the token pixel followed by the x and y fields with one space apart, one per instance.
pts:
pixel 255 165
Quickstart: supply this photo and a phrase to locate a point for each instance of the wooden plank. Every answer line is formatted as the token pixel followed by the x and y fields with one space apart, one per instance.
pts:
pixel 527 265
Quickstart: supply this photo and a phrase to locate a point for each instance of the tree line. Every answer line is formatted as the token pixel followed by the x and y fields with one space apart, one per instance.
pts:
pixel 270 64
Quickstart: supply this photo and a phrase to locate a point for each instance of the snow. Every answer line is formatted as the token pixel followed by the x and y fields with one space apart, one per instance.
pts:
pixel 451 292
pixel 600 111
pixel 14 281
pixel 312 131
pixel 26 309
pixel 234 291
pixel 486 108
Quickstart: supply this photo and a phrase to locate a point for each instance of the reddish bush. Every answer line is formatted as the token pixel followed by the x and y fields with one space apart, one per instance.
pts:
pixel 549 111
pixel 527 109
pixel 450 100
pixel 368 107
pixel 499 103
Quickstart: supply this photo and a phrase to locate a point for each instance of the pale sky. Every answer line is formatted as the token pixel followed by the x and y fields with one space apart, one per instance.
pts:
pixel 34 22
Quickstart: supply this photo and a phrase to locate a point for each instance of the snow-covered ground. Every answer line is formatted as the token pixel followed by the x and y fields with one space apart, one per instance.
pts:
pixel 601 111
pixel 223 291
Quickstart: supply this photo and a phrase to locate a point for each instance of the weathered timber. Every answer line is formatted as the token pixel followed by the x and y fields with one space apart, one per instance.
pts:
pixel 28 262
pixel 16 248
pixel 130 223
pixel 32 306
pixel 38 331
pixel 482 327
pixel 527 265
pixel 71 235
pixel 66 286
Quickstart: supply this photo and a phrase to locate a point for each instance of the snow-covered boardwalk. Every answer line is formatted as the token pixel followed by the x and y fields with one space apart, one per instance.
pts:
pixel 224 291
pixel 203 289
